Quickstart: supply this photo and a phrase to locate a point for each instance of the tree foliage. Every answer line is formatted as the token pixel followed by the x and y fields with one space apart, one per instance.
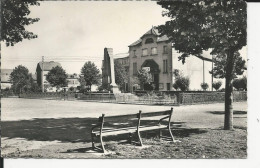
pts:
pixel 197 25
pixel 216 85
pixel 57 77
pixel 144 77
pixel 240 84
pixel 219 70
pixel 20 78
pixel 121 75
pixel 204 86
pixel 90 74
pixel 14 19
pixel 181 82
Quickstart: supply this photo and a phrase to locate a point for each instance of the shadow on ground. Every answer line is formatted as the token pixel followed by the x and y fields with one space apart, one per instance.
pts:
pixel 222 112
pixel 74 129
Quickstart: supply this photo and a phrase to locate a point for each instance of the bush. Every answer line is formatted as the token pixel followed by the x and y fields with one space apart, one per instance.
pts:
pixel 182 83
pixel 216 85
pixel 204 86
pixel 240 84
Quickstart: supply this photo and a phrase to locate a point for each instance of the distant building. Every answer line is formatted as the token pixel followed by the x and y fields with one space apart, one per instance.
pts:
pixel 42 70
pixel 5 78
pixel 124 61
pixel 73 80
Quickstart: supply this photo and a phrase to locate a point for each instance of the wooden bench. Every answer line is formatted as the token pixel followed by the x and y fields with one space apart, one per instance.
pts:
pixel 99 131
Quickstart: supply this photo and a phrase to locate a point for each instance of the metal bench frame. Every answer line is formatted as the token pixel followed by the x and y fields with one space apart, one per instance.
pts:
pixel 130 130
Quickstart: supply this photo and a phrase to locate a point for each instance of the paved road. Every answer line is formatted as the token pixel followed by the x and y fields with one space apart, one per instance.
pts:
pixel 195 116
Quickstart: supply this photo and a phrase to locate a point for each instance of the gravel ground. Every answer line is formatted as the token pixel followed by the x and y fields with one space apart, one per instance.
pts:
pixel 60 129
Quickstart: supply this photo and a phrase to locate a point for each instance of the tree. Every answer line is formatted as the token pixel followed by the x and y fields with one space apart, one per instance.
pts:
pixel 90 74
pixel 240 84
pixel 14 19
pixel 216 85
pixel 145 78
pixel 57 77
pixel 181 82
pixel 204 86
pixel 198 25
pixel 121 76
pixel 20 79
pixel 219 70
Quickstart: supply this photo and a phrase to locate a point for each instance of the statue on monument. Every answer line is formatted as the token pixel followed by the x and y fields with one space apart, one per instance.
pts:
pixel 108 71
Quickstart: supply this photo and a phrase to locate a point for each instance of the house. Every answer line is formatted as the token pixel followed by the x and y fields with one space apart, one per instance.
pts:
pixel 5 78
pixel 123 59
pixel 156 54
pixel 73 80
pixel 42 70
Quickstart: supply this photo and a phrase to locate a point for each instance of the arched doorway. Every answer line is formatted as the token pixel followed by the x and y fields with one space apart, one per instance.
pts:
pixel 154 70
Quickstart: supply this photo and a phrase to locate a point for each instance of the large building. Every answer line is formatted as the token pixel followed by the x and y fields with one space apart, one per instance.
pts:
pixel 156 54
pixel 42 70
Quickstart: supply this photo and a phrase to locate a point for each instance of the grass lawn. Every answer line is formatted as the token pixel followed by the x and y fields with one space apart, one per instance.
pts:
pixel 195 143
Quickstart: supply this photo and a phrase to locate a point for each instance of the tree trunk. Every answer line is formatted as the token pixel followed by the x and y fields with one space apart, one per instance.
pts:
pixel 228 123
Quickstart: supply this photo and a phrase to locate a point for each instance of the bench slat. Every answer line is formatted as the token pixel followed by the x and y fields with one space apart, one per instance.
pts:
pixel 128 130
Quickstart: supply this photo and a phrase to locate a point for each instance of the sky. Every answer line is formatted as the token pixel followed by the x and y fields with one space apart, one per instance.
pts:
pixel 74 32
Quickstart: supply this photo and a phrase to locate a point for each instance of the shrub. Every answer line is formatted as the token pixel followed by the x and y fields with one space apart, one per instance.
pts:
pixel 240 84
pixel 182 83
pixel 216 85
pixel 204 86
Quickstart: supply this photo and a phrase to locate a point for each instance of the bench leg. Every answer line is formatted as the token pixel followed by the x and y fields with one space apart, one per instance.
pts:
pixel 102 145
pixel 139 138
pixel 93 143
pixel 171 135
pixel 160 133
pixel 130 138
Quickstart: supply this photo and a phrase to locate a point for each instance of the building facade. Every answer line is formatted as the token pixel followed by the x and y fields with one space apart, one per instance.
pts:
pixel 73 80
pixel 5 78
pixel 42 70
pixel 155 53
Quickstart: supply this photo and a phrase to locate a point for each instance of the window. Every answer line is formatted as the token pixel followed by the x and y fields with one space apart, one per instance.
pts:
pixel 149 40
pixel 134 68
pixel 165 66
pixel 165 50
pixel 134 53
pixel 145 52
pixel 154 51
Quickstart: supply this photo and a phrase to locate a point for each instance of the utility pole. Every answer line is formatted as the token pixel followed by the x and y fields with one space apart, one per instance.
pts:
pixel 203 72
pixel 42 81
pixel 212 75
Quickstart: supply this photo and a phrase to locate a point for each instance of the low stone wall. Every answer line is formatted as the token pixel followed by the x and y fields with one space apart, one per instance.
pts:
pixel 106 97
pixel 209 97
pixel 168 98
pixel 49 96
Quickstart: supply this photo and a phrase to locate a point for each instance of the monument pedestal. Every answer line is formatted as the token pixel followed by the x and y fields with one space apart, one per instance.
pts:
pixel 114 88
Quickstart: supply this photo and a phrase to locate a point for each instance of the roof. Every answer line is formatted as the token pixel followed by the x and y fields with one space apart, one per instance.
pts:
pixel 152 31
pixel 5 75
pixel 121 55
pixel 73 76
pixel 48 65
